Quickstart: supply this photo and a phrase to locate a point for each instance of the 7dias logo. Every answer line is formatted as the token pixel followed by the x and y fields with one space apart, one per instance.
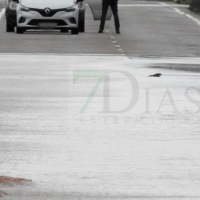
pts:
pixel 104 77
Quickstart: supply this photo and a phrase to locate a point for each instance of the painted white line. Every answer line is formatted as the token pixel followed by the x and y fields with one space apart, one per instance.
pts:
pixel 179 11
pixel 116 45
pixel 189 16
pixel 153 5
pixel 2 13
pixel 193 19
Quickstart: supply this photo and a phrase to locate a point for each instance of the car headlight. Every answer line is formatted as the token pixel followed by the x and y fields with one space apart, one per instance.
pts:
pixel 13 5
pixel 24 9
pixel 71 9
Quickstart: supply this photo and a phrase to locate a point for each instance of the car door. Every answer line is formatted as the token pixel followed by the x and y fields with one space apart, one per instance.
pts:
pixel 96 7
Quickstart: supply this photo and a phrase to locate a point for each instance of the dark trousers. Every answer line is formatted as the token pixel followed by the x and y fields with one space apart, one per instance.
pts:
pixel 114 8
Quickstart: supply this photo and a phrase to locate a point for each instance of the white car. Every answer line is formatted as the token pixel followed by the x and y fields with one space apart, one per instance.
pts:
pixel 48 14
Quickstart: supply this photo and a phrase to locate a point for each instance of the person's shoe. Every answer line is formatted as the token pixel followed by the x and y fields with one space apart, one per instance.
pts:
pixel 100 31
pixel 117 31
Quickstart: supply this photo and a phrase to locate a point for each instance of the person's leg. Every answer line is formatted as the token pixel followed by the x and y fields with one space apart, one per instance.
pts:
pixel 103 16
pixel 114 8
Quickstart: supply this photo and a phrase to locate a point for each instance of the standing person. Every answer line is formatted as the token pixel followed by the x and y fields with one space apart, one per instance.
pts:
pixel 114 7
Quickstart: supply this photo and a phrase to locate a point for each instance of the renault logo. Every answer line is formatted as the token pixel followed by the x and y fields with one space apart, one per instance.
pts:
pixel 47 10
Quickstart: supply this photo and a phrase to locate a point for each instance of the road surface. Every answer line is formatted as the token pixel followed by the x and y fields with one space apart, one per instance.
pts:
pixel 134 137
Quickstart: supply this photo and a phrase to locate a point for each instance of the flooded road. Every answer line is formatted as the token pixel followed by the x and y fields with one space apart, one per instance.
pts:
pixel 134 137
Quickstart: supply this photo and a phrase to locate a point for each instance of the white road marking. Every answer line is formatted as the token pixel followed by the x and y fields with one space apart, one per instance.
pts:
pixel 115 42
pixel 153 5
pixel 187 15
pixel 193 19
pixel 2 13
pixel 179 11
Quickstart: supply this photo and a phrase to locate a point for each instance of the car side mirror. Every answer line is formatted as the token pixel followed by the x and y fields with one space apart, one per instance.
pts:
pixel 16 1
pixel 78 1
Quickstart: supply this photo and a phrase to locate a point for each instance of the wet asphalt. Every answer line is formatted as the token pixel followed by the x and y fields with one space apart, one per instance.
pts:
pixel 151 30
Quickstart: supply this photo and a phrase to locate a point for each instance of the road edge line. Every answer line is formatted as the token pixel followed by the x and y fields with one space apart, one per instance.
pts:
pixel 179 11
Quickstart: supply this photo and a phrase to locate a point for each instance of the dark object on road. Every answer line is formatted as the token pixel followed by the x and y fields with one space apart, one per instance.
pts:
pixel 156 75
pixel 195 6
pixel 114 7
pixel 11 14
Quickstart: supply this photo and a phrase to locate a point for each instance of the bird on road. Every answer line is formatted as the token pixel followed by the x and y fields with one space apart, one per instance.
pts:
pixel 156 75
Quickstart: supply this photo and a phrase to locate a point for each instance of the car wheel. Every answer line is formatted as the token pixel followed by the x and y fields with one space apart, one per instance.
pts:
pixel 81 24
pixel 9 28
pixel 75 31
pixel 19 30
pixel 64 30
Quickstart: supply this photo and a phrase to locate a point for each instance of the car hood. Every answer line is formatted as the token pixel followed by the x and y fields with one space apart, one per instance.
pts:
pixel 52 4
